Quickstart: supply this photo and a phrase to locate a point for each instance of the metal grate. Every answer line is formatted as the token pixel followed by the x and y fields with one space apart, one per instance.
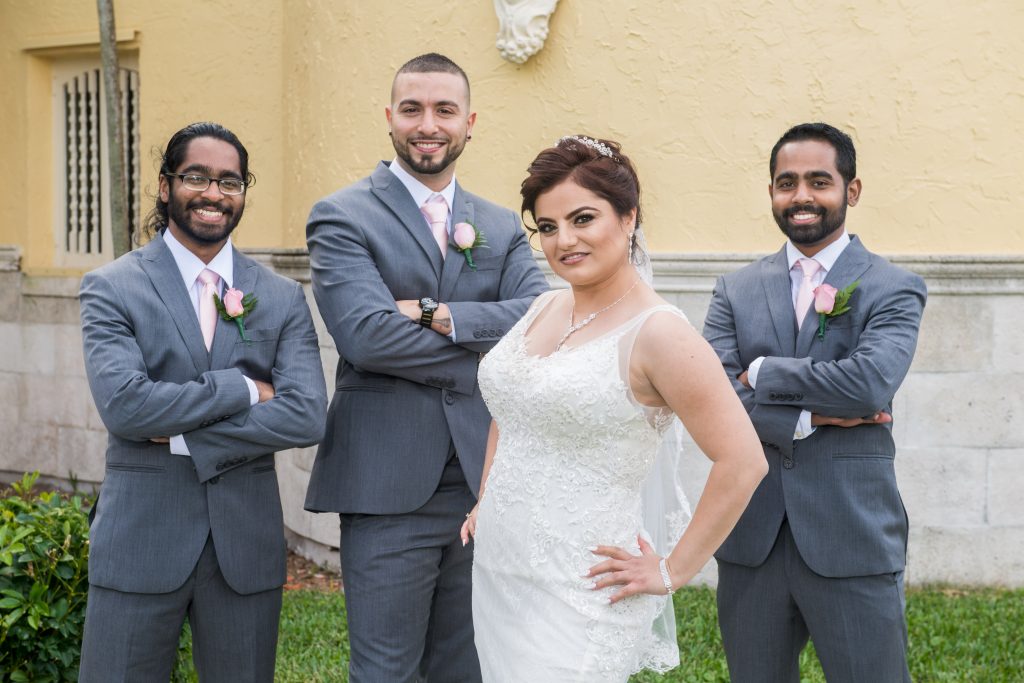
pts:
pixel 84 154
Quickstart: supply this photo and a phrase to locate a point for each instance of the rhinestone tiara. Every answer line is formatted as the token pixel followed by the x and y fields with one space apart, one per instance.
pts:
pixel 593 144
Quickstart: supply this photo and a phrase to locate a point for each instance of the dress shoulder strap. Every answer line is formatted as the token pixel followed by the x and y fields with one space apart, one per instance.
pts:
pixel 542 301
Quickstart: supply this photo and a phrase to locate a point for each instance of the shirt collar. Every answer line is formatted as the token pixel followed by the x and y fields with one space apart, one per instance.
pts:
pixel 190 265
pixel 420 192
pixel 826 257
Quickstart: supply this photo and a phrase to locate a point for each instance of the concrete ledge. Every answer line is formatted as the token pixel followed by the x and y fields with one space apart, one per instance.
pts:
pixel 960 454
pixel 10 258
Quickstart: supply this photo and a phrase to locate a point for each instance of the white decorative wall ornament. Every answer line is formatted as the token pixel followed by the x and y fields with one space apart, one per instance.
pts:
pixel 522 27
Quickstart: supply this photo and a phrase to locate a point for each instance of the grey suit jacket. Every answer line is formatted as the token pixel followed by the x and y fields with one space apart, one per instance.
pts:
pixel 151 376
pixel 837 487
pixel 403 393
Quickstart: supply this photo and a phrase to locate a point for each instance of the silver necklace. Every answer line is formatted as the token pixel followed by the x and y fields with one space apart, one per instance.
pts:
pixel 573 329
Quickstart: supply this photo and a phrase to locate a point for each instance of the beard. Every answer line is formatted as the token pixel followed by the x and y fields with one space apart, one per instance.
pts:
pixel 180 213
pixel 815 232
pixel 428 165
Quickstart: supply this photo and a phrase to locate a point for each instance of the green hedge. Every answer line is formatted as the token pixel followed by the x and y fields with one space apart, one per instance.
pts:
pixel 44 550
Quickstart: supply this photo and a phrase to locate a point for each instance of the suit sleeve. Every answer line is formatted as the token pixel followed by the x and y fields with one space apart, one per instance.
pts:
pixel 131 405
pixel 521 283
pixel 866 380
pixel 293 418
pixel 360 313
pixel 774 424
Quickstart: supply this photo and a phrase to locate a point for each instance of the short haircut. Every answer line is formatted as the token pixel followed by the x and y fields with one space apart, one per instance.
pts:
pixel 431 63
pixel 846 154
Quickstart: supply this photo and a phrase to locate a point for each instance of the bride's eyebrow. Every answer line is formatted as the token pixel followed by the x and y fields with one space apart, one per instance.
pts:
pixel 572 214
pixel 576 212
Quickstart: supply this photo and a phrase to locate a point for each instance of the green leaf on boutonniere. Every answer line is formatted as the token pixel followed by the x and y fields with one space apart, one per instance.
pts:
pixel 843 299
pixel 839 307
pixel 247 302
pixel 467 237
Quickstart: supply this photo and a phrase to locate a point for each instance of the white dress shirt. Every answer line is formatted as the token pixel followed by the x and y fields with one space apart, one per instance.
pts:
pixel 420 194
pixel 190 266
pixel 826 258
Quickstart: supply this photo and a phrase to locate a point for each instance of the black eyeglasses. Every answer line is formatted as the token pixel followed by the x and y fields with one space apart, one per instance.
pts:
pixel 199 183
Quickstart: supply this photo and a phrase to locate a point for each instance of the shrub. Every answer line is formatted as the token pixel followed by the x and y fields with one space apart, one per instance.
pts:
pixel 44 551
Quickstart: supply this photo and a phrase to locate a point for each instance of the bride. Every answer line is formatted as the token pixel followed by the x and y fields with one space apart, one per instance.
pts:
pixel 566 583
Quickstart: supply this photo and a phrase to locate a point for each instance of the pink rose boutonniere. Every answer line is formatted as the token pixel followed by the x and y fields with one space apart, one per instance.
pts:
pixel 234 307
pixel 467 238
pixel 830 302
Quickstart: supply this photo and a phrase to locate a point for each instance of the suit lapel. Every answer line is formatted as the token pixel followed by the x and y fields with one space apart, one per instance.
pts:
pixel 462 212
pixel 850 265
pixel 779 293
pixel 162 270
pixel 227 334
pixel 390 190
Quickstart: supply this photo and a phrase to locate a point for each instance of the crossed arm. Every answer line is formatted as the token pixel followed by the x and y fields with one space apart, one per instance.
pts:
pixel 131 404
pixel 374 332
pixel 840 392
pixel 212 411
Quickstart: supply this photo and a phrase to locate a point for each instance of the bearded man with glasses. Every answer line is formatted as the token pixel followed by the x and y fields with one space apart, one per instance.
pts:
pixel 202 364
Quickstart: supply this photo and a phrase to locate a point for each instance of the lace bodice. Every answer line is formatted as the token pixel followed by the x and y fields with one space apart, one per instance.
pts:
pixel 574 450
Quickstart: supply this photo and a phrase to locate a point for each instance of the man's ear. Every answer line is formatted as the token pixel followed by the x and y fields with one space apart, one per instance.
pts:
pixel 165 189
pixel 853 192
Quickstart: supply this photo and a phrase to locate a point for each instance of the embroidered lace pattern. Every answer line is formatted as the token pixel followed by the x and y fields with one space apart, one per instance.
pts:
pixel 573 452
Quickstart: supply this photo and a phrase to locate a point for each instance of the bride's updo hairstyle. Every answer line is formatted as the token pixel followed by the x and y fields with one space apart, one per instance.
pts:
pixel 594 164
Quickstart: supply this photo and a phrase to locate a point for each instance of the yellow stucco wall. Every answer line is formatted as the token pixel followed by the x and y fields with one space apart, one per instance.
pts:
pixel 697 93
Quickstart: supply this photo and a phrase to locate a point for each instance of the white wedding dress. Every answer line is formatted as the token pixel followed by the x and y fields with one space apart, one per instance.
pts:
pixel 574 451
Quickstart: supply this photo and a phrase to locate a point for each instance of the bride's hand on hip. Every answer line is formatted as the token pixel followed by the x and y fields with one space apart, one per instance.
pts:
pixel 469 526
pixel 635 573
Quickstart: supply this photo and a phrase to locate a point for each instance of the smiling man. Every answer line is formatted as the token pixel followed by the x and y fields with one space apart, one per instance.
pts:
pixel 403 454
pixel 188 522
pixel 820 550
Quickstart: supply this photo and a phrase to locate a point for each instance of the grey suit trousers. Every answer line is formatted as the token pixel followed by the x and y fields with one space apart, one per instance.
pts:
pixel 408 580
pixel 766 614
pixel 133 637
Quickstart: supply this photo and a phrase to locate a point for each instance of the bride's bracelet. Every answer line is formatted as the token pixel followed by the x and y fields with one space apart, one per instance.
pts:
pixel 666 579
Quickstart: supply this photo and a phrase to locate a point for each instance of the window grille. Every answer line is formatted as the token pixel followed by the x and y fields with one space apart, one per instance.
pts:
pixel 83 177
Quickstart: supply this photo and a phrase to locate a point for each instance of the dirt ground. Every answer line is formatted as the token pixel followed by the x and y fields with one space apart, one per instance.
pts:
pixel 305 575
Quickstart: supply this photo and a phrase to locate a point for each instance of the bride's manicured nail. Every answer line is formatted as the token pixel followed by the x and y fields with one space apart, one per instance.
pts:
pixel 585 574
pixel 464 542
pixel 592 585
pixel 592 548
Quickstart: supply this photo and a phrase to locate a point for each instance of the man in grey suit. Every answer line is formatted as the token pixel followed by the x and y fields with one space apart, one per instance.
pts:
pixel 188 522
pixel 820 551
pixel 407 428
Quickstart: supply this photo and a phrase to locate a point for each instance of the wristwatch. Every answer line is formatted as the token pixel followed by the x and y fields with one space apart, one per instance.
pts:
pixel 427 308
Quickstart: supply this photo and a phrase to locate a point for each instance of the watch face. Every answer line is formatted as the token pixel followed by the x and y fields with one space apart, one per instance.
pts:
pixel 428 304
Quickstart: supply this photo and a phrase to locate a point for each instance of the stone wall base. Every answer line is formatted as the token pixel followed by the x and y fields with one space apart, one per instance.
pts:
pixel 959 418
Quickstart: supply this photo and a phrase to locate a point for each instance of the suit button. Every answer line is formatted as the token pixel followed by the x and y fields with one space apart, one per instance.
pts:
pixel 213 480
pixel 787 463
pixel 773 396
pixel 476 334
pixel 799 397
pixel 220 466
pixel 449 399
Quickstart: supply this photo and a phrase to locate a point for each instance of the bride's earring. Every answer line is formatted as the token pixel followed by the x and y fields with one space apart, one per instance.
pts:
pixel 629 248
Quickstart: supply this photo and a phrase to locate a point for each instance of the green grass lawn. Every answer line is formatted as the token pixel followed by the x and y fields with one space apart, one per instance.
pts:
pixel 974 636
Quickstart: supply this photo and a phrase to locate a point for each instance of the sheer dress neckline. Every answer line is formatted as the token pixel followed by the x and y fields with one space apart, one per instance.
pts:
pixel 525 338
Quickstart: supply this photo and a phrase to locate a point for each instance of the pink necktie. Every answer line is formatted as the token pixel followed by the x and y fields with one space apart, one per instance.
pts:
pixel 207 309
pixel 435 210
pixel 805 295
